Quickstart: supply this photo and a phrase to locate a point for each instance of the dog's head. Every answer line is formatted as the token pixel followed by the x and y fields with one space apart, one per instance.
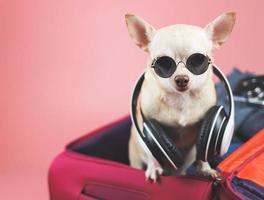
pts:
pixel 178 42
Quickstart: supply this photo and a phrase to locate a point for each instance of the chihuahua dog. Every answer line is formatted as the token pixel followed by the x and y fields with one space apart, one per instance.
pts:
pixel 177 99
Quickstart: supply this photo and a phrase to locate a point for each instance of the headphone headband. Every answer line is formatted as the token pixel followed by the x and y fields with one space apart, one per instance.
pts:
pixel 133 109
pixel 227 86
pixel 228 134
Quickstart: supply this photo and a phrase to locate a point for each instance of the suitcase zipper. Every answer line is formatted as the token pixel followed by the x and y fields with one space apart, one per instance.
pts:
pixel 215 190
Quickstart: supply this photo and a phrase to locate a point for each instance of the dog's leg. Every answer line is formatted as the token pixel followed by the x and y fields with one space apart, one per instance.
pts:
pixel 203 168
pixel 134 151
pixel 189 159
pixel 153 169
pixel 138 152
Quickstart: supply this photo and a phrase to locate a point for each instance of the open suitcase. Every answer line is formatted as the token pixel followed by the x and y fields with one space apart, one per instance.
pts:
pixel 96 167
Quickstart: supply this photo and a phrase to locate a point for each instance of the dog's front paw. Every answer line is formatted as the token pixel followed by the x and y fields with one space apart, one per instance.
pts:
pixel 209 172
pixel 204 169
pixel 152 173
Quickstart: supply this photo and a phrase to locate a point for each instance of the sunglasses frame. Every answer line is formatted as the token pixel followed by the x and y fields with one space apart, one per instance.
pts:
pixel 176 64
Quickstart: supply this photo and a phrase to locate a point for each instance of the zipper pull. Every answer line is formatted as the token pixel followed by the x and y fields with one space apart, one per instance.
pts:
pixel 215 189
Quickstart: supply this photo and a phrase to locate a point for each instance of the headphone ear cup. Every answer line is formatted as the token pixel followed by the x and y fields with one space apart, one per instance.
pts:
pixel 203 139
pixel 165 142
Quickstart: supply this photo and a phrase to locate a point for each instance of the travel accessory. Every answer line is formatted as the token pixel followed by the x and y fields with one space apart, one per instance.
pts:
pixel 96 166
pixel 214 137
pixel 165 66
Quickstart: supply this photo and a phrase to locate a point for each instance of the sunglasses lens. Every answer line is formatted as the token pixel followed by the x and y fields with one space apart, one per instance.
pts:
pixel 197 63
pixel 164 66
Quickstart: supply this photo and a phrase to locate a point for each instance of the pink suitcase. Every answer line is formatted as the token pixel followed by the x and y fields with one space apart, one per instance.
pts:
pixel 96 167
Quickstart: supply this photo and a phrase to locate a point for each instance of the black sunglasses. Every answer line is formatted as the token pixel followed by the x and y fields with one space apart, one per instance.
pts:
pixel 196 63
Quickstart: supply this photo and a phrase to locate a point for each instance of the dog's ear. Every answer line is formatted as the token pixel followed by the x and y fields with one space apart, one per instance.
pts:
pixel 220 29
pixel 140 31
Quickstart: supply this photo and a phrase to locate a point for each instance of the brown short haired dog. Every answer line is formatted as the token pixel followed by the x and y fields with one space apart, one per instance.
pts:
pixel 178 97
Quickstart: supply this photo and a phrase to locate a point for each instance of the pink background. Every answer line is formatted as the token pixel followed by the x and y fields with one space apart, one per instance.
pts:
pixel 67 67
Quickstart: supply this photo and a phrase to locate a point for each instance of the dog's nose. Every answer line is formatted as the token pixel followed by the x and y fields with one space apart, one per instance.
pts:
pixel 181 81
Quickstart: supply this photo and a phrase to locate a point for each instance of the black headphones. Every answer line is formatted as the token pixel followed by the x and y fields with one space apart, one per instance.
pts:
pixel 214 138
